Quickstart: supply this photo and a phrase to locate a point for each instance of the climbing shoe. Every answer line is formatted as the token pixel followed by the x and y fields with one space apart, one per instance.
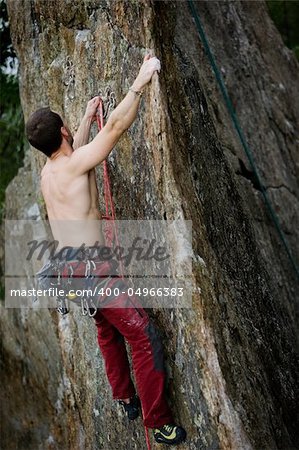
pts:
pixel 132 408
pixel 170 434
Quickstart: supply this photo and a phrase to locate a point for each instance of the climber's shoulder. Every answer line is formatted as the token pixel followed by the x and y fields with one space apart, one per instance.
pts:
pixel 90 155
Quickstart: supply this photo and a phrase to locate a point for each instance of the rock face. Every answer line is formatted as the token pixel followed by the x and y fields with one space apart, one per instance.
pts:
pixel 231 358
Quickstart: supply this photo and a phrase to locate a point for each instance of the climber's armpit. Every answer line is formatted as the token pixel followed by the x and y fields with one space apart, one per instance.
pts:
pixel 92 154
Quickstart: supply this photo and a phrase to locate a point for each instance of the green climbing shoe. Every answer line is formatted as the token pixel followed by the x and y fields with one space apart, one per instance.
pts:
pixel 170 434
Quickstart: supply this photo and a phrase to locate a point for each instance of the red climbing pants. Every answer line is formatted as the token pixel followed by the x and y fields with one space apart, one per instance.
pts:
pixel 122 317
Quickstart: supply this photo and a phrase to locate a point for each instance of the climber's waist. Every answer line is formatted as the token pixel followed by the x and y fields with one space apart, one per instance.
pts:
pixel 78 262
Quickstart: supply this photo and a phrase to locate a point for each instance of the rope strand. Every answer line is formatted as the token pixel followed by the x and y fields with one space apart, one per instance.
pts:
pixel 109 205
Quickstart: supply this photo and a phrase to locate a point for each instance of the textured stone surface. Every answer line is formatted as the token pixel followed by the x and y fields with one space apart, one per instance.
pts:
pixel 231 359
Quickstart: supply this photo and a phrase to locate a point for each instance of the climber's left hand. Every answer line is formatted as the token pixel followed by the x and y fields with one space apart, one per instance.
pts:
pixel 91 108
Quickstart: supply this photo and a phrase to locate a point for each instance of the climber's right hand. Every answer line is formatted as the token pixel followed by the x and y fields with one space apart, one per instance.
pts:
pixel 150 65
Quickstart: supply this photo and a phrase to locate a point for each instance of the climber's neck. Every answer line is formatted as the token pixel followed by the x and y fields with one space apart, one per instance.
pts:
pixel 64 150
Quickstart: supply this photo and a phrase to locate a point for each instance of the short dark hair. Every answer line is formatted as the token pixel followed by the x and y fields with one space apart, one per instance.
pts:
pixel 43 130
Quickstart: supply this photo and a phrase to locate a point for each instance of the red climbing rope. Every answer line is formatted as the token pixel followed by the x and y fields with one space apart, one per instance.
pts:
pixel 109 203
pixel 107 189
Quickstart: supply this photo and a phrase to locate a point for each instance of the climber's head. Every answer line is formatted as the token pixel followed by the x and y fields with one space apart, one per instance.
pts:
pixel 45 131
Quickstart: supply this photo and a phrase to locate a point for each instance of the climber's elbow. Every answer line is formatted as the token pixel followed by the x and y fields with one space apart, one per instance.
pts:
pixel 117 123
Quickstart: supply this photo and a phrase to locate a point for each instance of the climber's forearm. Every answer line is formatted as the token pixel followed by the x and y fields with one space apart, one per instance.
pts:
pixel 125 113
pixel 82 135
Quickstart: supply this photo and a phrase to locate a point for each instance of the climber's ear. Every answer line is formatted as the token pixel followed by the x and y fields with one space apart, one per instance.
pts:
pixel 64 132
pixel 67 135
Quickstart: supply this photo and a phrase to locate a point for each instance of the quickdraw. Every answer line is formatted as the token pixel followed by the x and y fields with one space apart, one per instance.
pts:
pixel 62 302
pixel 88 307
pixel 62 306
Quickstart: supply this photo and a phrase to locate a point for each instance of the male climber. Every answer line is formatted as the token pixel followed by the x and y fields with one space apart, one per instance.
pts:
pixel 69 189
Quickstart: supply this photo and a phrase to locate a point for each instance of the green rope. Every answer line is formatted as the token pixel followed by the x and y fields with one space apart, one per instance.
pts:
pixel 235 121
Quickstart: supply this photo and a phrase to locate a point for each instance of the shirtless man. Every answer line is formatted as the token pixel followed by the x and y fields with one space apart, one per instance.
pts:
pixel 69 188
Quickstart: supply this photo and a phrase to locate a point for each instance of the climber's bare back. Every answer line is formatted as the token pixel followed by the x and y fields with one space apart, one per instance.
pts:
pixel 67 180
pixel 72 204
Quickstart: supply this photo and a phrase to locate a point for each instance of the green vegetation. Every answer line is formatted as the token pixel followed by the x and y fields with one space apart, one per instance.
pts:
pixel 285 15
pixel 12 133
pixel 12 142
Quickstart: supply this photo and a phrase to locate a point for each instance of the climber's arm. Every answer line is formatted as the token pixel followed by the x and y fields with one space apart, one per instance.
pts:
pixel 82 135
pixel 92 154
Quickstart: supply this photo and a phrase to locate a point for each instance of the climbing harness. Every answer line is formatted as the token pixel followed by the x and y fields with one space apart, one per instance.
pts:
pixel 50 276
pixel 58 274
pixel 240 133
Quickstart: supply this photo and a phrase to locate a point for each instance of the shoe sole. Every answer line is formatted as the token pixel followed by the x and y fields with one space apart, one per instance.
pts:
pixel 176 441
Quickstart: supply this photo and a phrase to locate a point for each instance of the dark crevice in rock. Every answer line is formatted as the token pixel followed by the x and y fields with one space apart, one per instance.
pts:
pixel 249 175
